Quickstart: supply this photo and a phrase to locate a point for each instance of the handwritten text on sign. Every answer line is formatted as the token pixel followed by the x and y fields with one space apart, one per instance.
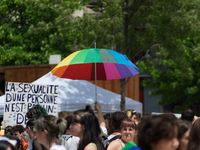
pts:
pixel 20 97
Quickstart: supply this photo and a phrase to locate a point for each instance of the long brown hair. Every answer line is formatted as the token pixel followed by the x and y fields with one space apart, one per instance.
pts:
pixel 194 136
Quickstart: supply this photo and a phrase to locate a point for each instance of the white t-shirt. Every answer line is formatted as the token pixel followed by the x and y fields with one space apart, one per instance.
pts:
pixel 57 147
pixel 69 142
pixel 104 130
pixel 74 143
pixel 30 144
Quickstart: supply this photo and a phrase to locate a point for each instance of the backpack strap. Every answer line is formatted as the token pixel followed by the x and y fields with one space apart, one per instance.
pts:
pixel 115 137
pixel 107 142
pixel 68 137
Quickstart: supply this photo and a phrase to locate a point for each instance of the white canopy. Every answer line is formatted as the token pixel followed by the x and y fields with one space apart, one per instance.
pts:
pixel 76 94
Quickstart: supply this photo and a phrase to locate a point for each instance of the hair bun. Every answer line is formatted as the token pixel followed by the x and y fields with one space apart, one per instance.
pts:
pixel 62 125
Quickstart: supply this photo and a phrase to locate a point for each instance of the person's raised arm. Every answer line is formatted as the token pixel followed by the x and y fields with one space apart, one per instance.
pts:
pixel 100 115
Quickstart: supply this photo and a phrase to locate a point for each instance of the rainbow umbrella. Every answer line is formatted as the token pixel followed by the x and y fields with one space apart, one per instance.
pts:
pixel 95 64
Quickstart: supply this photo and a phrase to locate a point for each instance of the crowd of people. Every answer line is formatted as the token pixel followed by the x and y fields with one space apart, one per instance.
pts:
pixel 89 129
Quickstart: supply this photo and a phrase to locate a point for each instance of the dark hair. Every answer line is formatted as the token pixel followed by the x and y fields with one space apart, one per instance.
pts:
pixel 5 144
pixel 194 136
pixel 35 112
pixel 8 130
pixel 187 114
pixel 19 144
pixel 110 129
pixel 184 127
pixel 69 121
pixel 52 125
pixel 19 128
pixel 30 124
pixel 153 128
pixel 117 118
pixel 92 132
pixel 128 123
pixel 107 116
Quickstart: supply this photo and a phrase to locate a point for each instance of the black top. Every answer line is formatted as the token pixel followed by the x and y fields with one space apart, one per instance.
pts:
pixel 38 146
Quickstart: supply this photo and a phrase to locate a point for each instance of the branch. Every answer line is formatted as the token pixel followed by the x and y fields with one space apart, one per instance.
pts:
pixel 49 7
pixel 61 19
pixel 92 43
pixel 154 43
pixel 133 12
pixel 127 80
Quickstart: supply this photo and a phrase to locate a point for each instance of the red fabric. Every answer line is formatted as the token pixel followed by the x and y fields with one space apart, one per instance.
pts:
pixel 25 145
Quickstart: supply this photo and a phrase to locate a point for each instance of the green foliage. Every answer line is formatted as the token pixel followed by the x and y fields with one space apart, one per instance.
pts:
pixel 167 29
pixel 30 31
pixel 181 77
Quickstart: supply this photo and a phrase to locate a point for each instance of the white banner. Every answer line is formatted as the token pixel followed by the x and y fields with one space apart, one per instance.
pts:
pixel 20 97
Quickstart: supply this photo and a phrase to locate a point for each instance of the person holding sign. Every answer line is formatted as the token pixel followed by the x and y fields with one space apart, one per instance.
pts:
pixel 47 130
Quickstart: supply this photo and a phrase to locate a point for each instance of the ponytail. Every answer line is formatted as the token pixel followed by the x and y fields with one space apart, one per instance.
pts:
pixel 53 126
pixel 61 125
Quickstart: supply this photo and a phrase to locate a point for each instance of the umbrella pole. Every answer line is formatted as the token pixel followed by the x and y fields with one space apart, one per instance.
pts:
pixel 95 77
pixel 95 82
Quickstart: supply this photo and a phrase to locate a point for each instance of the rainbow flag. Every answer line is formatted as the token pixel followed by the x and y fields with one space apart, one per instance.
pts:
pixel 131 146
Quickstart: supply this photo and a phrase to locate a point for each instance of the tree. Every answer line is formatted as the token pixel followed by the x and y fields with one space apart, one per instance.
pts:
pixel 31 30
pixel 181 77
pixel 135 27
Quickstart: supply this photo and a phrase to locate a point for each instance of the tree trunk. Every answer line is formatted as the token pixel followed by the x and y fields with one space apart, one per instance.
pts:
pixel 123 88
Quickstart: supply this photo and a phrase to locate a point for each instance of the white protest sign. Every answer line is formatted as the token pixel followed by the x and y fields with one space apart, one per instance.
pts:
pixel 20 97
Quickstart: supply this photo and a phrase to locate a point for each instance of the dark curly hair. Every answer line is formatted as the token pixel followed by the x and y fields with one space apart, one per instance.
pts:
pixel 35 112
pixel 117 118
pixel 153 128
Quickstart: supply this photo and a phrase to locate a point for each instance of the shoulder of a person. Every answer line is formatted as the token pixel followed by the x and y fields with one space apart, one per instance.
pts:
pixel 90 147
pixel 114 145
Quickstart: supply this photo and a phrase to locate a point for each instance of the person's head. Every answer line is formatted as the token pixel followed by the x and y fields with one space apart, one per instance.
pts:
pixel 132 114
pixel 26 137
pixel 29 128
pixel 5 145
pixel 35 112
pixel 86 126
pixel 184 134
pixel 48 128
pixel 187 114
pixel 158 132
pixel 194 135
pixel 117 118
pixel 127 129
pixel 8 130
pixel 107 118
pixel 15 141
pixel 18 131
